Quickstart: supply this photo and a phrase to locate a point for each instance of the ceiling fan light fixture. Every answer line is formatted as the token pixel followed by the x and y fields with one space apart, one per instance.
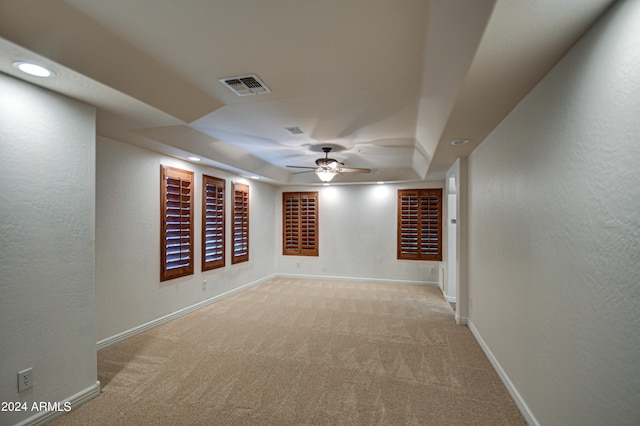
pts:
pixel 325 175
pixel 327 167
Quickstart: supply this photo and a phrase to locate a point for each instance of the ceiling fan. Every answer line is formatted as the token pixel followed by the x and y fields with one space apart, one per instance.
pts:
pixel 326 168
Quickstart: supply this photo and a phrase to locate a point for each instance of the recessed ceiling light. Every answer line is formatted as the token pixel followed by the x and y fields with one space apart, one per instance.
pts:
pixel 459 141
pixel 194 158
pixel 33 69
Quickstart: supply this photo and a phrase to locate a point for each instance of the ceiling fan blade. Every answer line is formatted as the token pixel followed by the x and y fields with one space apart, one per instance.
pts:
pixel 353 170
pixel 306 171
pixel 302 167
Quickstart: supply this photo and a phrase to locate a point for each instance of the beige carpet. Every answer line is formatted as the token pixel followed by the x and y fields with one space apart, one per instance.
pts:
pixel 302 352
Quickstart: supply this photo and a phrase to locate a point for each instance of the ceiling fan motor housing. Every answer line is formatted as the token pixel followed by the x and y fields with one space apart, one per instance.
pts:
pixel 327 163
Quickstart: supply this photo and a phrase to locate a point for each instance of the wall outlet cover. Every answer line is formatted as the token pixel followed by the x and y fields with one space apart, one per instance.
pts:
pixel 25 379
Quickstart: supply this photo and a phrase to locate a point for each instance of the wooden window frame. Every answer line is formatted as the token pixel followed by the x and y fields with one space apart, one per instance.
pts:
pixel 300 224
pixel 240 223
pixel 420 224
pixel 213 222
pixel 176 205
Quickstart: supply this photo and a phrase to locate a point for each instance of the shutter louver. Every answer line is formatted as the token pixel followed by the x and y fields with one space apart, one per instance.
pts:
pixel 177 223
pixel 240 225
pixel 213 222
pixel 420 224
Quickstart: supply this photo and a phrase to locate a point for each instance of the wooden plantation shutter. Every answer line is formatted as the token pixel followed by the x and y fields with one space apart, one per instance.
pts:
pixel 177 223
pixel 240 224
pixel 213 221
pixel 420 224
pixel 300 223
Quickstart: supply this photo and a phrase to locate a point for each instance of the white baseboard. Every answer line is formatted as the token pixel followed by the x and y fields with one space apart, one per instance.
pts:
pixel 45 417
pixel 522 405
pixel 158 321
pixel 358 279
pixel 450 299
pixel 461 320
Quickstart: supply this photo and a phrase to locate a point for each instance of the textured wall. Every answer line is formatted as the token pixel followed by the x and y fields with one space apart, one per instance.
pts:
pixel 358 236
pixel 555 234
pixel 128 288
pixel 47 146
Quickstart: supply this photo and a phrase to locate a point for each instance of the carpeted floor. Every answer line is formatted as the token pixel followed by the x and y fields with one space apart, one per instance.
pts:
pixel 303 352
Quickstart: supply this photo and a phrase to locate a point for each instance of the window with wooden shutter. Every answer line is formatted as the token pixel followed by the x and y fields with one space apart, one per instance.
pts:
pixel 300 223
pixel 213 221
pixel 420 224
pixel 240 223
pixel 177 223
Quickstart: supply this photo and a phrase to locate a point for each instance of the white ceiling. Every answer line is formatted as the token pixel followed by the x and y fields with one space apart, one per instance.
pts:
pixel 387 83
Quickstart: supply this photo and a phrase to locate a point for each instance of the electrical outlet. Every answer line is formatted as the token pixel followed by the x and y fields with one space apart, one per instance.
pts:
pixel 25 379
pixel 204 285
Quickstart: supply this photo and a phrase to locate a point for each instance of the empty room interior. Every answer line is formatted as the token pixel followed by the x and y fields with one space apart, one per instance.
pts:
pixel 471 160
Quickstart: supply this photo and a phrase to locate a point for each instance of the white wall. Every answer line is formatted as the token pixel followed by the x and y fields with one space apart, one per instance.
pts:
pixel 358 236
pixel 129 293
pixel 47 147
pixel 452 249
pixel 460 170
pixel 554 256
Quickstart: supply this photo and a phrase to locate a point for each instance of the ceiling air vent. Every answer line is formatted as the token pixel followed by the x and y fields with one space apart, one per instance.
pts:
pixel 245 85
pixel 294 130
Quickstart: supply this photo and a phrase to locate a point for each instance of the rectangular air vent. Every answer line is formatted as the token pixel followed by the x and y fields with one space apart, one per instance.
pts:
pixel 245 85
pixel 294 130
